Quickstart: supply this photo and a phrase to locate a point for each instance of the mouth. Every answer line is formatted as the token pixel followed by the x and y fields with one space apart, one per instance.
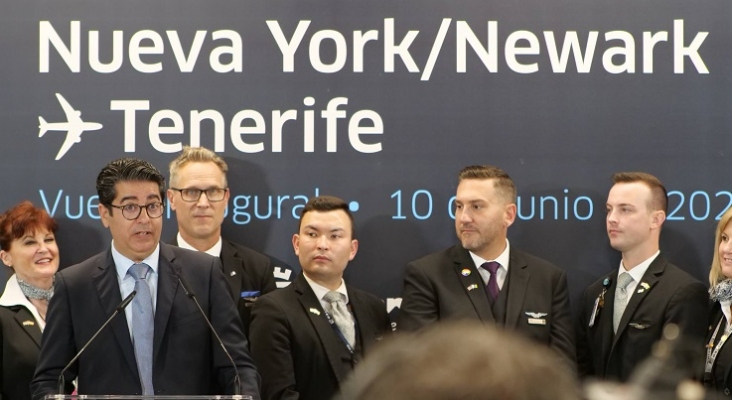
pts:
pixel 143 234
pixel 321 258
pixel 44 261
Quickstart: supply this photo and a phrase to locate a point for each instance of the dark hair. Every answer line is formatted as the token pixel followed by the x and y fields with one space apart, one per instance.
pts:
pixel 501 181
pixel 126 169
pixel 22 219
pixel 659 196
pixel 327 203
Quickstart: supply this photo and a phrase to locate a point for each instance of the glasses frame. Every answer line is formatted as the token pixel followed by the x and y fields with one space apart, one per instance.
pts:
pixel 139 209
pixel 200 192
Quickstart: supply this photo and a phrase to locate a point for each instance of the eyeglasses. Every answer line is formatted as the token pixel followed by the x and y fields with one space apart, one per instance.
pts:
pixel 192 194
pixel 133 211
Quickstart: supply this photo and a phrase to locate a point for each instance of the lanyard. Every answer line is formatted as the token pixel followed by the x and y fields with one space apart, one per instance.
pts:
pixel 712 354
pixel 338 332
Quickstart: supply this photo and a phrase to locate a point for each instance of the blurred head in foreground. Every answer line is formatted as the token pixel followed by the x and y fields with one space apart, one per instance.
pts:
pixel 461 361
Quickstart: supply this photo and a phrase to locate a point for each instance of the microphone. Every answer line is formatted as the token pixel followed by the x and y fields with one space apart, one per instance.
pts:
pixel 119 309
pixel 192 296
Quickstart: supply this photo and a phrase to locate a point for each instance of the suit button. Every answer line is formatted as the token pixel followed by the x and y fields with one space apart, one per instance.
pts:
pixel 726 391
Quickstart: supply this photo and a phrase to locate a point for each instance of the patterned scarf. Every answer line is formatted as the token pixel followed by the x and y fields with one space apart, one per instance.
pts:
pixel 33 292
pixel 721 291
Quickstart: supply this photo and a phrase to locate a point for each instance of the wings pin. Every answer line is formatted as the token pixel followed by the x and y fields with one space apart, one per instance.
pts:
pixel 536 314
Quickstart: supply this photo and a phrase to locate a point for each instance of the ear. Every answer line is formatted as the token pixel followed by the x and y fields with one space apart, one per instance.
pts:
pixel 296 243
pixel 104 214
pixel 170 194
pixel 657 219
pixel 227 195
pixel 6 258
pixel 509 214
pixel 354 249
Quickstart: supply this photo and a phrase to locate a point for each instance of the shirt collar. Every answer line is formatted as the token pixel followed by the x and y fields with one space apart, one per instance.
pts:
pixel 13 296
pixel 501 259
pixel 213 251
pixel 638 271
pixel 725 310
pixel 122 263
pixel 320 291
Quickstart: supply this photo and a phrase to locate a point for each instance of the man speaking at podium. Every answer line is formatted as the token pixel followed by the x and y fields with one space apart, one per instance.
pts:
pixel 162 344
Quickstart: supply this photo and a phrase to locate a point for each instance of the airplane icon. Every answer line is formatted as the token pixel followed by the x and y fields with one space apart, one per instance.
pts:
pixel 74 126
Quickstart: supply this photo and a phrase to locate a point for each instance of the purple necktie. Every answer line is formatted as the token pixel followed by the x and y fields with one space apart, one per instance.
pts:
pixel 492 287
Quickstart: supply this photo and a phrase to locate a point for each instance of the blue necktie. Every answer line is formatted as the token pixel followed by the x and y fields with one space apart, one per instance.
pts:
pixel 143 326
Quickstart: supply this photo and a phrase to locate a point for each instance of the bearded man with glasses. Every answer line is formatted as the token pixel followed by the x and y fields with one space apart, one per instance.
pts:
pixel 162 345
pixel 199 194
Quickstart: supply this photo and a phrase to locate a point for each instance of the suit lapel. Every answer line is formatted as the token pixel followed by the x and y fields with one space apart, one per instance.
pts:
pixel 105 280
pixel 28 323
pixel 314 310
pixel 472 283
pixel 168 275
pixel 604 324
pixel 645 286
pixel 233 266
pixel 519 282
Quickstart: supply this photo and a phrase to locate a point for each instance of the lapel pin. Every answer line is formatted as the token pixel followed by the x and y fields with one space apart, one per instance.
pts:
pixel 232 273
pixel 28 323
pixel 536 314
pixel 315 311
pixel 465 272
pixel 606 282
pixel 471 287
pixel 644 287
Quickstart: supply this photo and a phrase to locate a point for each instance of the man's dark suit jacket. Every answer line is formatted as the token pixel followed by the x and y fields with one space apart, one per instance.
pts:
pixel 447 285
pixel 666 294
pixel 249 274
pixel 186 357
pixel 298 353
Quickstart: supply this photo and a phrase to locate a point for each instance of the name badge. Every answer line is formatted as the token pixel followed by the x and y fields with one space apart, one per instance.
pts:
pixel 537 321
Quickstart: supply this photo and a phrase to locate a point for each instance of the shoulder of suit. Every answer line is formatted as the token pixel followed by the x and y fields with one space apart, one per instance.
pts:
pixel 82 268
pixel 249 253
pixel 439 259
pixel 676 276
pixel 535 262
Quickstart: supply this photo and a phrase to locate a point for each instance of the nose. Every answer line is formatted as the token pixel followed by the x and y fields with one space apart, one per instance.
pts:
pixel 322 242
pixel 203 200
pixel 463 215
pixel 611 217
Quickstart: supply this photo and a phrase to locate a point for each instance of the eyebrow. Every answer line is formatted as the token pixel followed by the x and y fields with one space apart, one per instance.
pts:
pixel 150 197
pixel 316 229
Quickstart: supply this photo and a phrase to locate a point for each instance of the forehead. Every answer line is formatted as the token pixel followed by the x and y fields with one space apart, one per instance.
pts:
pixel 327 220
pixel 634 193
pixel 136 190
pixel 200 171
pixel 476 189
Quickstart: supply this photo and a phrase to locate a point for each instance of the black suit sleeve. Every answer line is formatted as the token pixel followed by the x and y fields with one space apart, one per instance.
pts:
pixel 419 306
pixel 56 353
pixel 270 334
pixel 689 309
pixel 561 334
pixel 584 356
pixel 227 324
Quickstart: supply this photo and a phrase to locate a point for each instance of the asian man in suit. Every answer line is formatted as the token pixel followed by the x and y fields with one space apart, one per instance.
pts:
pixel 624 312
pixel 485 277
pixel 161 345
pixel 199 194
pixel 307 337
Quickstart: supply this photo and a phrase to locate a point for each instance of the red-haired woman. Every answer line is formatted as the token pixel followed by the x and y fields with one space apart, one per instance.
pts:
pixel 28 246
